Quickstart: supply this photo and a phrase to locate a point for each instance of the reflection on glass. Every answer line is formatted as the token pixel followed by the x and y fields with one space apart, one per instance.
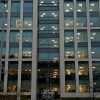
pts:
pixel 82 36
pixel 83 76
pixel 69 44
pixel 27 52
pixel 48 42
pixel 82 52
pixel 95 52
pixel 15 14
pixel 27 14
pixel 69 36
pixel 28 97
pixel 26 76
pixel 70 76
pixel 27 44
pixel 81 6
pixel 95 21
pixel 12 76
pixel 48 77
pixel 95 35
pixel 8 97
pixel 3 20
pixel 27 22
pixel 68 22
pixel 94 6
pixel 27 36
pixel 69 52
pixel 96 75
pixel 48 14
pixel 14 44
pixel 81 21
pixel 68 6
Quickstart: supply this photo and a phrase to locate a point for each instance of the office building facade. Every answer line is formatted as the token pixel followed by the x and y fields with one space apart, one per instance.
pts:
pixel 50 50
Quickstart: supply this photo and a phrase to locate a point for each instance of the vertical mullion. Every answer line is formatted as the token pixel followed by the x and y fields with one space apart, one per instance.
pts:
pixel 34 52
pixel 61 39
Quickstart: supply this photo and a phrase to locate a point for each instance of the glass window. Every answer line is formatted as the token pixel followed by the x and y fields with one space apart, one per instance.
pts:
pixel 3 43
pixel 14 44
pixel 51 27
pixel 95 52
pixel 94 6
pixel 15 22
pixel 81 21
pixel 14 36
pixel 48 56
pixel 15 14
pixel 3 8
pixel 82 36
pixel 96 75
pixel 68 22
pixel 48 14
pixel 69 36
pixel 94 21
pixel 28 97
pixel 95 35
pixel 82 52
pixel 48 42
pixel 8 97
pixel 83 76
pixel 68 6
pixel 69 44
pixel 81 6
pixel 27 52
pixel 28 6
pixel 27 14
pixel 27 36
pixel 26 76
pixel 27 44
pixel 70 76
pixel 48 1
pixel 27 23
pixel 69 52
pixel 2 71
pixel 15 6
pixel 3 22
pixel 12 76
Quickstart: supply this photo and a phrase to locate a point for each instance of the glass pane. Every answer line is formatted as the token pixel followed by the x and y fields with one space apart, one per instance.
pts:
pixel 28 97
pixel 94 6
pixel 95 52
pixel 15 14
pixel 68 6
pixel 3 36
pixel 81 6
pixel 83 76
pixel 82 52
pixel 70 76
pixel 26 76
pixel 96 75
pixel 27 36
pixel 12 76
pixel 68 22
pixel 95 35
pixel 82 36
pixel 14 44
pixel 81 21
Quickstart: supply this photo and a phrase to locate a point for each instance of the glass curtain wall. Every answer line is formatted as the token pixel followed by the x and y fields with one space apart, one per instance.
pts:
pixel 48 49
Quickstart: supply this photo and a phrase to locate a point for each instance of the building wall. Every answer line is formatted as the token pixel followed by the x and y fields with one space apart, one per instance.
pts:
pixel 49 45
